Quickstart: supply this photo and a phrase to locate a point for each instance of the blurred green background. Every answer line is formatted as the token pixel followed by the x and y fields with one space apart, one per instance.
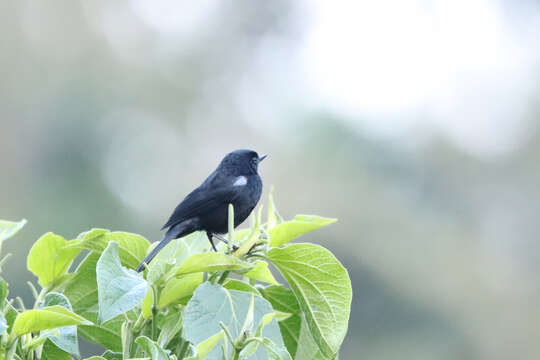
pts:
pixel 415 123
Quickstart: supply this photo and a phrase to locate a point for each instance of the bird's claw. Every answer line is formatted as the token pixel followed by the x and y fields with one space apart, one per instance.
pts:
pixel 255 247
pixel 233 250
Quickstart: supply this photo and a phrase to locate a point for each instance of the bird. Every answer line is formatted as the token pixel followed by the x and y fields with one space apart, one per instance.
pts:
pixel 235 181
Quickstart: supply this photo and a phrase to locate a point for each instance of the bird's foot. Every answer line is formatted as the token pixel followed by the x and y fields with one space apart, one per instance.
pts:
pixel 211 239
pixel 256 249
pixel 220 238
pixel 233 250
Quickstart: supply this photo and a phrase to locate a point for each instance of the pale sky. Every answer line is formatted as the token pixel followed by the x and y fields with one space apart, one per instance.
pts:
pixel 400 68
pixel 463 67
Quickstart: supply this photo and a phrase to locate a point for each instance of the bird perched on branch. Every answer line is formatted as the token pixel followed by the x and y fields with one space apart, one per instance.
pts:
pixel 235 181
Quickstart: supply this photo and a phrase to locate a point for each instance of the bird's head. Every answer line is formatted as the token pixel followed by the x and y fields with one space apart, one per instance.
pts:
pixel 241 162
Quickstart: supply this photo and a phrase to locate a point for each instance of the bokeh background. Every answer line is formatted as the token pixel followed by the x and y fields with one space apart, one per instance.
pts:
pixel 413 122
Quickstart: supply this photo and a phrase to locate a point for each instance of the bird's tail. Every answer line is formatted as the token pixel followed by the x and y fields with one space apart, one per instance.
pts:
pixel 173 233
pixel 153 253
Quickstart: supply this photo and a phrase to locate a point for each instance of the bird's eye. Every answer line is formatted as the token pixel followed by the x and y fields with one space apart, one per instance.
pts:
pixel 255 160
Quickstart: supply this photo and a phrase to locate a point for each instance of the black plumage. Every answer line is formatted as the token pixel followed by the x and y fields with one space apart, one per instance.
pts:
pixel 235 181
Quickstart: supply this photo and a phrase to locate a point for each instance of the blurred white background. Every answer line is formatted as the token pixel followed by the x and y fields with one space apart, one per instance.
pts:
pixel 413 122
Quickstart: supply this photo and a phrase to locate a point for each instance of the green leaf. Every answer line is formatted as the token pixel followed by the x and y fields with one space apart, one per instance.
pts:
pixel 282 316
pixel 283 300
pixel 241 234
pixel 83 294
pixel 307 347
pixel 9 228
pixel 3 292
pixel 102 335
pixel 233 284
pixel 253 238
pixel 253 346
pixel 52 352
pixel 274 351
pixel 92 234
pixel 47 318
pixel 49 258
pixel 106 334
pixel 65 338
pixel 171 326
pixel 211 261
pixel 172 255
pixel 82 289
pixel 183 348
pixel 213 304
pixel 323 290
pixel 119 289
pixel 272 219
pixel 301 224
pixel 147 303
pixel 132 247
pixel 206 346
pixel 3 324
pixel 261 272
pixel 247 326
pixel 10 314
pixel 197 242
pixel 179 288
pixel 111 355
pixel 36 342
pixel 152 349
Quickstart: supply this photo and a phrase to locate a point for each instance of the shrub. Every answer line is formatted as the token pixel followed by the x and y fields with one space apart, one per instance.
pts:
pixel 190 303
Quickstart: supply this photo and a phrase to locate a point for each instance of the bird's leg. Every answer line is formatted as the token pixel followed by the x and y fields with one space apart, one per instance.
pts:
pixel 221 238
pixel 210 238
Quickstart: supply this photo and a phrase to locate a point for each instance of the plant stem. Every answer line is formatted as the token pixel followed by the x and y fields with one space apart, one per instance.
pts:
pixel 138 323
pixel 231 228
pixel 223 277
pixel 227 332
pixel 11 350
pixel 21 303
pixel 182 349
pixel 154 325
pixel 26 339
pixel 127 339
pixel 33 289
pixel 214 277
pixel 2 262
pixel 154 312
pixel 235 354
pixel 253 339
pixel 41 296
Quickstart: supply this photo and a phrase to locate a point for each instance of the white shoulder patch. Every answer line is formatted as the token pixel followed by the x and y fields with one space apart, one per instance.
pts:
pixel 240 181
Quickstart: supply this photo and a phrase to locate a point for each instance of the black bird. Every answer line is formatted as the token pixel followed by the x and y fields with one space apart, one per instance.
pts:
pixel 235 181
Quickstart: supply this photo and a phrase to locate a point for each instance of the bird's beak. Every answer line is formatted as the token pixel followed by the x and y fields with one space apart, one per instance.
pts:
pixel 263 157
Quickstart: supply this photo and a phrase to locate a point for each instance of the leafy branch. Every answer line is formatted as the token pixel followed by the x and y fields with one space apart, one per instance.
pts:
pixel 190 302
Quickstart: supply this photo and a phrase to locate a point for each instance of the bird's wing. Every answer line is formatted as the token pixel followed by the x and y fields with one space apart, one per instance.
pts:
pixel 200 201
